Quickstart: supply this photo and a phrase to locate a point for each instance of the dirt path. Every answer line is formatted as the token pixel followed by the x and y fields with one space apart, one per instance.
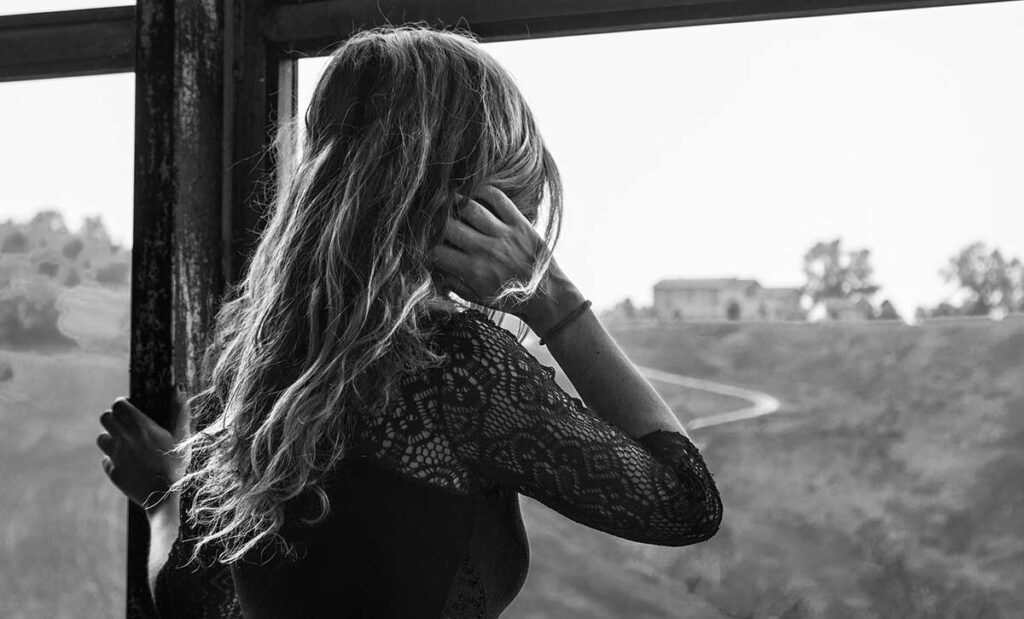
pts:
pixel 760 403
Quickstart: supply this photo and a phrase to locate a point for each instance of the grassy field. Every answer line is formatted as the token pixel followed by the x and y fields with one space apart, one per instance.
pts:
pixel 62 525
pixel 888 485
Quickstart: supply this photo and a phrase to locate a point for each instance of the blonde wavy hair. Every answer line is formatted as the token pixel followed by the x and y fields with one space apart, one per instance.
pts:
pixel 331 309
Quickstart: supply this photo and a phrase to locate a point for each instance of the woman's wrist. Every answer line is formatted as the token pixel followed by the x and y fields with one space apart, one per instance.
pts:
pixel 554 300
pixel 165 505
pixel 164 528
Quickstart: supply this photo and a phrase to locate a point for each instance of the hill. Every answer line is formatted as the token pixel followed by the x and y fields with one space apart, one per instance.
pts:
pixel 886 486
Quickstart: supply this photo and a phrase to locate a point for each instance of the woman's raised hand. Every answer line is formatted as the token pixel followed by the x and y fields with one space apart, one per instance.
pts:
pixel 137 458
pixel 484 248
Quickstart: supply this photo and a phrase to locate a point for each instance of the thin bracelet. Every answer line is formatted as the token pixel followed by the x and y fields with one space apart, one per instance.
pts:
pixel 576 313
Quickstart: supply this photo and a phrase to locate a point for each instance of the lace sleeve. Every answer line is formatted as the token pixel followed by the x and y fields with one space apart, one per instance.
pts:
pixel 512 424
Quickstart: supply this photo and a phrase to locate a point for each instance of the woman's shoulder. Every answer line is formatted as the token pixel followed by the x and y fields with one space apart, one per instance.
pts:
pixel 473 339
pixel 472 325
pixel 470 337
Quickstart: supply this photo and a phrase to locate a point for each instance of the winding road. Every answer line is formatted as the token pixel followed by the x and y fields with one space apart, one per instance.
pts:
pixel 760 403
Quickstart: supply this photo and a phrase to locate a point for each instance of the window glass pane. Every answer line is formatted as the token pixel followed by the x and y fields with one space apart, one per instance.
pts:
pixel 65 257
pixel 869 466
pixel 15 7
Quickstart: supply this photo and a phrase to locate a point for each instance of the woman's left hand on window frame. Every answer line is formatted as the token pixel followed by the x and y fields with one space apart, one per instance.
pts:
pixel 137 456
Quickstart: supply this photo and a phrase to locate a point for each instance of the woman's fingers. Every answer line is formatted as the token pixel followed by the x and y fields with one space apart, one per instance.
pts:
pixel 495 244
pixel 107 443
pixel 125 414
pixel 451 267
pixel 504 208
pixel 480 217
pixel 129 416
pixel 111 425
pixel 136 422
pixel 450 259
pixel 464 236
pixel 459 287
pixel 108 465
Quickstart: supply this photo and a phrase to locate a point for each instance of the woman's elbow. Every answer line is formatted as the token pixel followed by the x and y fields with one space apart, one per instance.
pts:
pixel 700 521
pixel 712 520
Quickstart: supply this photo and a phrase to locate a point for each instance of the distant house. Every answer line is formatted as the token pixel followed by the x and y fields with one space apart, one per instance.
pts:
pixel 725 299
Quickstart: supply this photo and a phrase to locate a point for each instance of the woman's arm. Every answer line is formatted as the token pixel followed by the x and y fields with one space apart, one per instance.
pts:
pixel 139 462
pixel 487 247
pixel 626 467
pixel 509 422
pixel 605 378
pixel 164 524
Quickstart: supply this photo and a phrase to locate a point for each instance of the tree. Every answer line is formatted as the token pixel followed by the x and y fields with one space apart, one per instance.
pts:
pixel 73 248
pixel 114 273
pixel 945 310
pixel 29 317
pixel 990 280
pixel 14 243
pixel 50 219
pixel 623 310
pixel 73 278
pixel 887 311
pixel 628 309
pixel 94 229
pixel 833 273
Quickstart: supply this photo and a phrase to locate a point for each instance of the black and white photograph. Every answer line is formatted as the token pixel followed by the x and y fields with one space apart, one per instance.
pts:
pixel 531 309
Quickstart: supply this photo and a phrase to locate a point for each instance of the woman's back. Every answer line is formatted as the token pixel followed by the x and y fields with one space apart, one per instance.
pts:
pixel 425 516
pixel 390 548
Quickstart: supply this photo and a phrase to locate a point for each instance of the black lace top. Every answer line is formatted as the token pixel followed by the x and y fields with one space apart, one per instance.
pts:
pixel 425 513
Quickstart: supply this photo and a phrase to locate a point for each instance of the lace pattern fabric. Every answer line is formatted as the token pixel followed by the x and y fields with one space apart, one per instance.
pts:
pixel 494 417
pixel 511 423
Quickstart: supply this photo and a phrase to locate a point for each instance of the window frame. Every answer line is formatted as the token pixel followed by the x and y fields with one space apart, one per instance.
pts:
pixel 233 65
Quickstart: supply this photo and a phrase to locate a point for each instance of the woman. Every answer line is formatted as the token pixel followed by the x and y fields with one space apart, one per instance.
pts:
pixel 366 436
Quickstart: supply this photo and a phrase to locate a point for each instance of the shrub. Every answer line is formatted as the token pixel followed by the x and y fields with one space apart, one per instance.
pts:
pixel 73 278
pixel 114 273
pixel 73 248
pixel 50 219
pixel 29 316
pixel 14 243
pixel 49 269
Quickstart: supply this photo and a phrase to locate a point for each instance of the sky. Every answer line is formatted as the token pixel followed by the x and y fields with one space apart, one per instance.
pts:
pixel 710 151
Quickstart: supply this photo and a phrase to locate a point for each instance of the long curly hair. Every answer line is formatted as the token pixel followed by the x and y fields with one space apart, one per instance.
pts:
pixel 331 310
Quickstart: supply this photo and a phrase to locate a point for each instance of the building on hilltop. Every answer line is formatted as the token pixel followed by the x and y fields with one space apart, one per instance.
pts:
pixel 714 299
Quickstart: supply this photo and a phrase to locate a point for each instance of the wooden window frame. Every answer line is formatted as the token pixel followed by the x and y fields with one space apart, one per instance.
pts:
pixel 212 80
